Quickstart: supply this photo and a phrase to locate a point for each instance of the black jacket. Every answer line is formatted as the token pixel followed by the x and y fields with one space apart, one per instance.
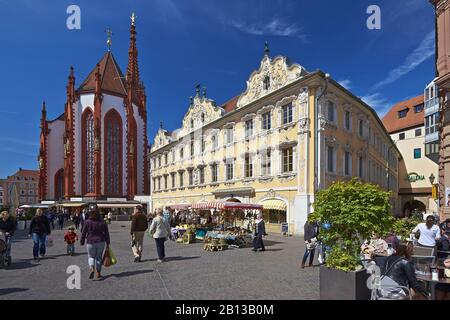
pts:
pixel 8 226
pixel 311 230
pixel 260 229
pixel 40 225
pixel 403 272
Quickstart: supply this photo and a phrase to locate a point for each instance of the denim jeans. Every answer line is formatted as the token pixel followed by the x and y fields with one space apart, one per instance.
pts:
pixel 95 255
pixel 160 247
pixel 39 244
pixel 309 253
pixel 71 248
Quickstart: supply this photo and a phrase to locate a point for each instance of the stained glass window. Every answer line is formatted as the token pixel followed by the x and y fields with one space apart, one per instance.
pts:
pixel 113 152
pixel 89 160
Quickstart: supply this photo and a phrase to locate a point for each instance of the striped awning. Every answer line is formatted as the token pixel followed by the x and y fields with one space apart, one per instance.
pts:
pixel 274 204
pixel 226 205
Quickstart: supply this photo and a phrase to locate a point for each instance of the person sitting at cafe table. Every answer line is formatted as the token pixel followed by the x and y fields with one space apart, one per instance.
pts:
pixel 429 232
pixel 400 268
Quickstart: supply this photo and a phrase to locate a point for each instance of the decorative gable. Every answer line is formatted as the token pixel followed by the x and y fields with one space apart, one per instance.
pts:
pixel 271 75
pixel 162 138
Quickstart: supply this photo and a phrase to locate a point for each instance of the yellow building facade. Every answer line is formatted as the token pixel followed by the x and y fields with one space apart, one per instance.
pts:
pixel 289 134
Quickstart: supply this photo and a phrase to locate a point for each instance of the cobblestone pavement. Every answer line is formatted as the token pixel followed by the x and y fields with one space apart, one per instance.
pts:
pixel 189 273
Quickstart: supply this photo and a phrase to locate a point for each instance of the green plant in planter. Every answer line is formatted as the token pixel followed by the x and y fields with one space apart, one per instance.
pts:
pixel 404 226
pixel 356 211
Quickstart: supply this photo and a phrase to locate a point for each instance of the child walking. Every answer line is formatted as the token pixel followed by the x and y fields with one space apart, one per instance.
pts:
pixel 70 238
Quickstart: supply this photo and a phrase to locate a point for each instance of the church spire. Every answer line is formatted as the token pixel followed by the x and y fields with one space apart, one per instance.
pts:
pixel 266 49
pixel 133 78
pixel 43 115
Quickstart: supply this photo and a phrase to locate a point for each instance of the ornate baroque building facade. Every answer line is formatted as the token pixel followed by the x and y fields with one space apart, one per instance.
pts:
pixel 290 133
pixel 98 147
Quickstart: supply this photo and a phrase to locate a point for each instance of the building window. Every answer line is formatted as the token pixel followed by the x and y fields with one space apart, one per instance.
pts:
pixel 192 123
pixel 191 177
pixel 266 83
pixel 159 161
pixel 287 160
pixel 331 111
pixel 192 148
pixel 166 178
pixel 331 160
pixel 203 117
pixel 173 155
pixel 89 144
pixel 401 136
pixel 361 128
pixel 418 132
pixel 248 166
pixel 432 123
pixel 214 142
pixel 229 135
pixel 417 153
pixel 214 172
pixel 402 113
pixel 430 148
pixel 287 113
pixel 418 108
pixel 166 158
pixel 347 164
pixel 159 183
pixel 266 163
pixel 201 172
pixel 181 153
pixel 203 144
pixel 348 121
pixel 361 167
pixel 181 179
pixel 173 179
pixel 229 171
pixel 266 121
pixel 248 128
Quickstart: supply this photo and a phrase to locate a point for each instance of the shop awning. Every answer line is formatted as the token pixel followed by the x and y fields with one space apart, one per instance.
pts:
pixel 226 205
pixel 117 205
pixel 72 204
pixel 181 206
pixel 274 204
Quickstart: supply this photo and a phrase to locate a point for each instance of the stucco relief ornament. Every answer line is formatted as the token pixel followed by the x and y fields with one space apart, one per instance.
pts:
pixel 41 163
pixel 304 125
pixel 322 124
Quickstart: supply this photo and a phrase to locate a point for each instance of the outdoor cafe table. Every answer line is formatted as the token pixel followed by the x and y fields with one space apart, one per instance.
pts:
pixel 433 283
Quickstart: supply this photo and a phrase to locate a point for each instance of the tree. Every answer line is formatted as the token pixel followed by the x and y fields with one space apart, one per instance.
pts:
pixel 356 211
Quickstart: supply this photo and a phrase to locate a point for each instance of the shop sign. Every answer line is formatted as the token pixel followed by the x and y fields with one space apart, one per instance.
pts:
pixel 413 177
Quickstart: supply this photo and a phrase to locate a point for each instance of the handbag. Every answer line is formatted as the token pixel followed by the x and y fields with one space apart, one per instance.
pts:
pixel 109 258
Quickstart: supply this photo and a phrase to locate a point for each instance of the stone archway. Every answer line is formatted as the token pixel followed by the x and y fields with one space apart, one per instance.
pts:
pixel 413 206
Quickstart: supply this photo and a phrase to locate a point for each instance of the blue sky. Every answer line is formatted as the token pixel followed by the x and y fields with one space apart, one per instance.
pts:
pixel 212 42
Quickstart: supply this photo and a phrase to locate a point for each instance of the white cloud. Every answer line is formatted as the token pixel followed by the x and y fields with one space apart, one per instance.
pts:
pixel 347 84
pixel 276 27
pixel 424 51
pixel 378 102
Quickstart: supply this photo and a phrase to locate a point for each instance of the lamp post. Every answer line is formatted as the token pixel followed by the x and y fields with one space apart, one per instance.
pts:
pixel 432 178
pixel 434 190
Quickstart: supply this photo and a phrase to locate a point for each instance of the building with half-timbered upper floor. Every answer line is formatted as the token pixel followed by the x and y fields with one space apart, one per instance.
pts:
pixel 98 147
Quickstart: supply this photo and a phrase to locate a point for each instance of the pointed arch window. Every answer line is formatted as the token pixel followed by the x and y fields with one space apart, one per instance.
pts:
pixel 88 140
pixel 113 153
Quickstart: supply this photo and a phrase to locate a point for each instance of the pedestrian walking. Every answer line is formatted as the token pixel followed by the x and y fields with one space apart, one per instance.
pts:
pixel 70 238
pixel 260 232
pixel 311 231
pixel 139 225
pixel 96 236
pixel 51 218
pixel 109 216
pixel 83 217
pixel 160 230
pixel 39 230
pixel 8 227
pixel 61 220
pixel 76 220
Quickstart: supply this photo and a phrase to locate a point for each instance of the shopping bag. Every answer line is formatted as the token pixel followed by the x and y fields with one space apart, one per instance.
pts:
pixel 49 242
pixel 109 258
pixel 112 256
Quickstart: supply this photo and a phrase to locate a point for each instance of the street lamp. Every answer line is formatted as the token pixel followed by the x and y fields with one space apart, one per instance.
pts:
pixel 432 178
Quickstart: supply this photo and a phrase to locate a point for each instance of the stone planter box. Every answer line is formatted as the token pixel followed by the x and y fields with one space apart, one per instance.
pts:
pixel 21 224
pixel 339 285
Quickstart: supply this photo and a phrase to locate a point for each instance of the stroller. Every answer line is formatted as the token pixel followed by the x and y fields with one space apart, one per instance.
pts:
pixel 5 256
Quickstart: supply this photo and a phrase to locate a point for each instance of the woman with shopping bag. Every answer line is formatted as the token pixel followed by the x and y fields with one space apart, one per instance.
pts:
pixel 160 231
pixel 96 235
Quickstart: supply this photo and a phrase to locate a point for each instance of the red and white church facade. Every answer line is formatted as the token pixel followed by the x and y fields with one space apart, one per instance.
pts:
pixel 98 147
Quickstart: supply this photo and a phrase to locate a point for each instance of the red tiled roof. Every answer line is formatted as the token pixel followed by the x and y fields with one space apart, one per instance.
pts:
pixel 112 78
pixel 27 173
pixel 393 123
pixel 231 104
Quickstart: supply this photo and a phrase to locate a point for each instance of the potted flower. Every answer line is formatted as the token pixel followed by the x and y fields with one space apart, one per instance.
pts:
pixel 355 211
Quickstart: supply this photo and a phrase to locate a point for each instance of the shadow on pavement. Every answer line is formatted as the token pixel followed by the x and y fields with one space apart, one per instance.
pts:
pixel 269 243
pixel 274 249
pixel 6 291
pixel 177 258
pixel 125 274
pixel 20 265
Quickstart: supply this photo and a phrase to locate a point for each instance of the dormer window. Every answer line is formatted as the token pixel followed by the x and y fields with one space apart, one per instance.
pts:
pixel 192 123
pixel 402 113
pixel 266 83
pixel 203 117
pixel 418 108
